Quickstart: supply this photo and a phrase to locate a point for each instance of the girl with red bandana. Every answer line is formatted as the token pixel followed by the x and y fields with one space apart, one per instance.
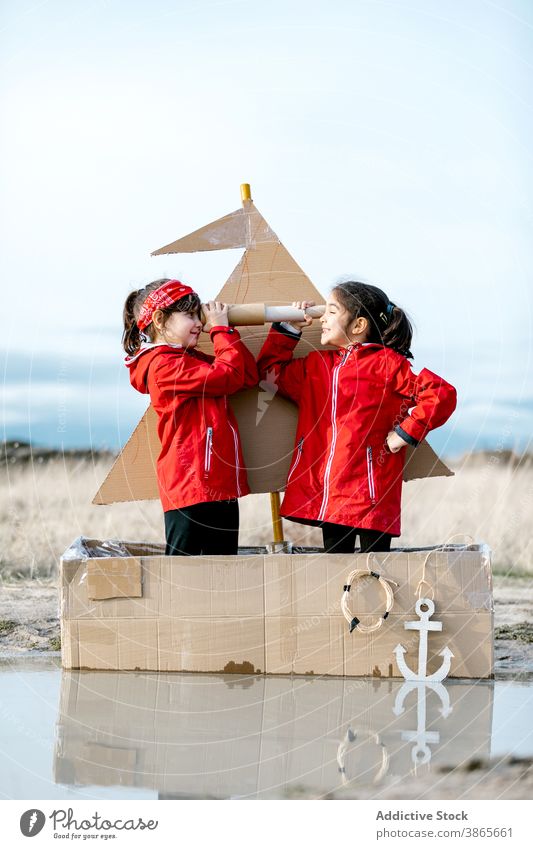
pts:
pixel 360 405
pixel 200 469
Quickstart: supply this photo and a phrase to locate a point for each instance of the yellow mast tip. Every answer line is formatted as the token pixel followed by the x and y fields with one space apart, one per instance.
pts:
pixel 246 192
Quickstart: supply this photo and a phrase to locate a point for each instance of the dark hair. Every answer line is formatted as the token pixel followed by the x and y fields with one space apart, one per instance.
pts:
pixel 132 336
pixel 389 325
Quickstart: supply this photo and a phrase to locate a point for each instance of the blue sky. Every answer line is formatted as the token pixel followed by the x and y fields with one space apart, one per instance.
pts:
pixel 385 140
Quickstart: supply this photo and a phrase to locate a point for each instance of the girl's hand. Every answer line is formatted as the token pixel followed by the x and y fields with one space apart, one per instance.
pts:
pixel 215 314
pixel 395 442
pixel 302 305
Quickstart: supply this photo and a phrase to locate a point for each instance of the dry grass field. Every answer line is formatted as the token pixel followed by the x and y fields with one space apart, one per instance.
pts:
pixel 44 506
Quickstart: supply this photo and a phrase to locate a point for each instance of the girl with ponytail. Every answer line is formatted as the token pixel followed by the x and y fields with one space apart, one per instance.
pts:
pixel 200 469
pixel 360 405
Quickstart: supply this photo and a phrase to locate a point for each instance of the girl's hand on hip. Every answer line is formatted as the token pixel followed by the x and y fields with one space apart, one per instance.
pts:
pixel 302 305
pixel 395 442
pixel 215 314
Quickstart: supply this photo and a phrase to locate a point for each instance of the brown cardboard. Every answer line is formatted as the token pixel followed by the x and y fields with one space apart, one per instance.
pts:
pixel 212 587
pixel 278 614
pixel 76 603
pixel 132 476
pixel 266 274
pixel 244 228
pixel 317 645
pixel 311 584
pixel 117 578
pixel 305 645
pixel 232 646
pixel 171 586
pixel 98 644
pixel 227 645
pixel 302 601
pixel 422 462
pixel 208 736
pixel 323 645
pixel 70 643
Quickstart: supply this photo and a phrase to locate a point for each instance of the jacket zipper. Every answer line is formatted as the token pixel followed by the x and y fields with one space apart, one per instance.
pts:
pixel 208 451
pixel 297 460
pixel 327 473
pixel 237 465
pixel 370 470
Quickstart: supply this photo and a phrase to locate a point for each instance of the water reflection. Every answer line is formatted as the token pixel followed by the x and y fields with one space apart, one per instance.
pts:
pixel 219 736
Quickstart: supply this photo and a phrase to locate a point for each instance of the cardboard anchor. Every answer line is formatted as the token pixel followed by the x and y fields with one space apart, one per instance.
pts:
pixel 265 278
pixel 423 626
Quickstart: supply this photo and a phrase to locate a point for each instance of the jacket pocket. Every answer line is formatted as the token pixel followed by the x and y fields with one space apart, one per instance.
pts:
pixel 208 451
pixel 297 458
pixel 370 474
pixel 237 465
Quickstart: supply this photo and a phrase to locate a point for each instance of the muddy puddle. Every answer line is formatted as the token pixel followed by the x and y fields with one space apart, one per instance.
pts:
pixel 97 735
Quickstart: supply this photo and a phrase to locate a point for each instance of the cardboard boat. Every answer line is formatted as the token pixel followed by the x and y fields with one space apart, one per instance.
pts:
pixel 127 606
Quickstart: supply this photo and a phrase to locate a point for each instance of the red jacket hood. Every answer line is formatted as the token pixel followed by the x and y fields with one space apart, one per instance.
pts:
pixel 140 362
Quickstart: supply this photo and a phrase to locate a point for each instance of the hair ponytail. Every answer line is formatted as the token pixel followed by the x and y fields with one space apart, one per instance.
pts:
pixel 131 337
pixel 398 333
pixel 388 323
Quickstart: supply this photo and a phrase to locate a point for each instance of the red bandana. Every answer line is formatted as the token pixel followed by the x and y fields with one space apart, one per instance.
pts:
pixel 167 294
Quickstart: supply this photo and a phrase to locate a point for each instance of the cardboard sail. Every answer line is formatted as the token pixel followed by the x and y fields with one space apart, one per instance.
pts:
pixel 266 273
pixel 244 228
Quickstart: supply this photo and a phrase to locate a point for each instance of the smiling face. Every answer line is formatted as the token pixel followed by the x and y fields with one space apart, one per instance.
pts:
pixel 178 328
pixel 338 327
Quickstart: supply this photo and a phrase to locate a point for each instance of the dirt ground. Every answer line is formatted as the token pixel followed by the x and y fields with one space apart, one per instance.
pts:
pixel 29 617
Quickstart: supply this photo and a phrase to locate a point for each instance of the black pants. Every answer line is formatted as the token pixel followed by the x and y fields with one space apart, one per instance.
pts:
pixel 211 527
pixel 340 539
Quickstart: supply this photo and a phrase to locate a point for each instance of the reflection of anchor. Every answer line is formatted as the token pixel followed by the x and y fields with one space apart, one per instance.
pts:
pixel 421 753
pixel 423 627
pixel 350 737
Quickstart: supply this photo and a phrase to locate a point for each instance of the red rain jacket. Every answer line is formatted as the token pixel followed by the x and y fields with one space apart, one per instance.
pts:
pixel 201 457
pixel 342 470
